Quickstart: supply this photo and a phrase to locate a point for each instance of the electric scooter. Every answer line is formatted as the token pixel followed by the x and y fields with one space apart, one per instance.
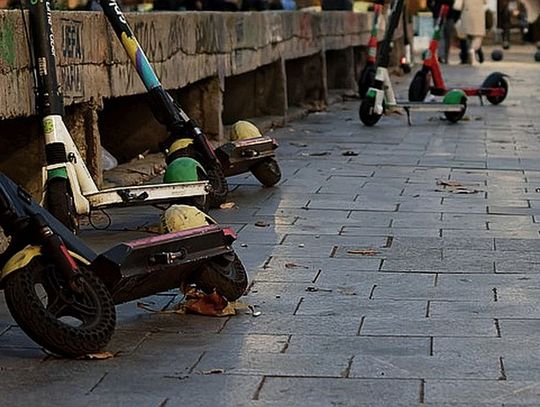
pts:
pixel 367 76
pixel 494 87
pixel 381 98
pixel 62 294
pixel 255 154
pixel 69 190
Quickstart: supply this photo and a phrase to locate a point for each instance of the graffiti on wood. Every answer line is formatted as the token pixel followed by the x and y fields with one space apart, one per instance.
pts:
pixel 72 52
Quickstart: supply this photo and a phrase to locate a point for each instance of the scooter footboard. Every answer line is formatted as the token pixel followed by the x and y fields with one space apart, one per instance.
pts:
pixel 147 266
pixel 239 156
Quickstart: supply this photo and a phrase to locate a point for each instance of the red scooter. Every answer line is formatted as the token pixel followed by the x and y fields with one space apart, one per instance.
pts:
pixel 494 87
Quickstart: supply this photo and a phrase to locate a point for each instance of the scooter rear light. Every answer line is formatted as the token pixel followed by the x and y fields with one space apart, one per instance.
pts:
pixel 230 233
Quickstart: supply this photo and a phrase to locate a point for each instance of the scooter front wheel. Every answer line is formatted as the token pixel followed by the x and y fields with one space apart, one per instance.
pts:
pixel 225 274
pixel 60 203
pixel 66 322
pixel 367 113
pixel 267 172
pixel 220 189
pixel 366 79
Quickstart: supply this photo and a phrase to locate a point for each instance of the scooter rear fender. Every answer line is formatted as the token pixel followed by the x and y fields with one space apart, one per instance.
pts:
pixel 147 266
pixel 23 258
pixel 239 156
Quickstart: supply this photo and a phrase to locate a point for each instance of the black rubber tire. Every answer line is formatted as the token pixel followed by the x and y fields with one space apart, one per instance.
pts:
pixel 419 87
pixel 44 327
pixel 366 79
pixel 220 188
pixel 454 117
pixel 267 172
pixel 406 68
pixel 60 203
pixel 496 80
pixel 225 274
pixel 367 116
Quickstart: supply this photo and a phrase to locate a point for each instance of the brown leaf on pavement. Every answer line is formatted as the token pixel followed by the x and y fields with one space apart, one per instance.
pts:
pixel 449 183
pixel 363 252
pixel 211 305
pixel 227 205
pixel 294 265
pixel 97 356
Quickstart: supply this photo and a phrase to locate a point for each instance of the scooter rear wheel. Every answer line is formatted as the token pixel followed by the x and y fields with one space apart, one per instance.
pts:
pixel 65 322
pixel 225 274
pixel 267 172
pixel 60 203
pixel 367 114
pixel 496 80
pixel 220 189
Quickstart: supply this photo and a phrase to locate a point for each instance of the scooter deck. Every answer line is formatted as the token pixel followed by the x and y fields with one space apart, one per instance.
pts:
pixel 145 266
pixel 425 107
pixel 237 157
pixel 148 194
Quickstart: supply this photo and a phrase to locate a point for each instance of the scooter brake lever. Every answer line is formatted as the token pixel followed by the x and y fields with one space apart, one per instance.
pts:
pixel 168 257
pixel 129 197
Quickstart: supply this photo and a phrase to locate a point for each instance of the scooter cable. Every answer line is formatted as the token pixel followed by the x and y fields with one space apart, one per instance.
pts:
pixel 109 220
pixel 30 53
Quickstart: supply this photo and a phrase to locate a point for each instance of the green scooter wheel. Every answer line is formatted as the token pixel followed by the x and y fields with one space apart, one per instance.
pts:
pixel 455 97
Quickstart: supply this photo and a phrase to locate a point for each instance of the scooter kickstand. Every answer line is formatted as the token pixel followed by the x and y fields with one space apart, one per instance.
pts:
pixel 408 111
pixel 481 100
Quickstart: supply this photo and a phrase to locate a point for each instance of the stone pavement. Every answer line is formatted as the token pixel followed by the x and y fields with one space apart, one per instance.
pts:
pixel 378 284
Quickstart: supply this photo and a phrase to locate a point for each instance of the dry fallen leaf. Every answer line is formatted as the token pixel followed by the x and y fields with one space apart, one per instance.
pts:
pixel 319 154
pixel 97 356
pixel 211 304
pixel 363 252
pixel 448 183
pixel 227 205
pixel 213 371
pixel 261 224
pixel 294 265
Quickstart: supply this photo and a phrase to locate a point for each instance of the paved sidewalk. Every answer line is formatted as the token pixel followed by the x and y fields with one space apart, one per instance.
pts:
pixel 378 284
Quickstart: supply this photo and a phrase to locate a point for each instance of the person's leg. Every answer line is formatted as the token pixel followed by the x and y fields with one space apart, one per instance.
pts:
pixel 476 44
pixel 463 50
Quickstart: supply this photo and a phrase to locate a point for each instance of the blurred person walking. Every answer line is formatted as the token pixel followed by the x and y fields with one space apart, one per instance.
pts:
pixel 472 27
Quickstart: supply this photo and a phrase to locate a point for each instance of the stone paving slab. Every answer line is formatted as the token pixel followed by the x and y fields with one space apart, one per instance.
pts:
pixel 447 367
pixel 340 391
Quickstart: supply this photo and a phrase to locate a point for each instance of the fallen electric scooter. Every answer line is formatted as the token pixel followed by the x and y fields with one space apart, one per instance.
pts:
pixel 62 294
pixel 494 87
pixel 253 152
pixel 69 190
pixel 380 98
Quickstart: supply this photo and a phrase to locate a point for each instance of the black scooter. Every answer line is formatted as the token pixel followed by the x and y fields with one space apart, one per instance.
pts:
pixel 62 294
pixel 256 154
